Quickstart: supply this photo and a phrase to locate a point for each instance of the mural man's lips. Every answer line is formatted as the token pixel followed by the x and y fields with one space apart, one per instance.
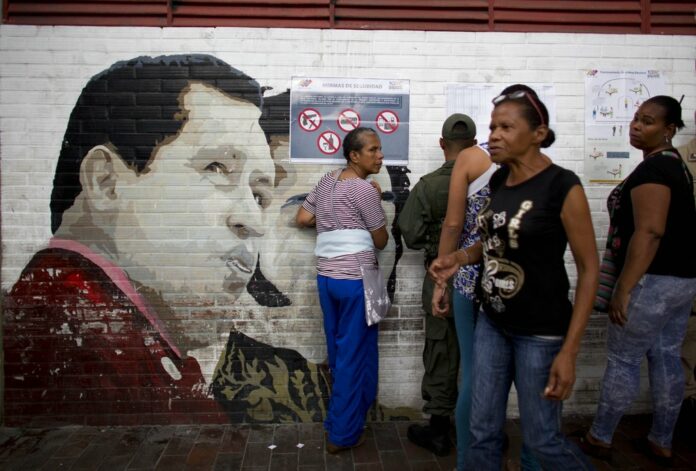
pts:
pixel 240 259
pixel 233 263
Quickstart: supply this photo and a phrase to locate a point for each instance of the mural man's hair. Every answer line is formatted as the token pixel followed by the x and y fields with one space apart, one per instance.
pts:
pixel 133 107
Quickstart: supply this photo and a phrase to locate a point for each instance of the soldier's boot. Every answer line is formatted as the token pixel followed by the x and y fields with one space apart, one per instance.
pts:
pixel 433 437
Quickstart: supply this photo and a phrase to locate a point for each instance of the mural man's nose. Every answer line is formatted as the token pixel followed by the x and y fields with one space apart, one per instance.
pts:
pixel 243 226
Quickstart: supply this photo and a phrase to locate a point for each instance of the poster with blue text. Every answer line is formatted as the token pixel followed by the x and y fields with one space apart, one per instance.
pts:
pixel 324 110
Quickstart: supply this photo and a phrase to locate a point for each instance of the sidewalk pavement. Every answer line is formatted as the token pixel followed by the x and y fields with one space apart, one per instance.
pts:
pixel 276 447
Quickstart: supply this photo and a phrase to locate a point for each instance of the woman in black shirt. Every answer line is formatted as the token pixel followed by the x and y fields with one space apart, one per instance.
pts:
pixel 528 331
pixel 652 225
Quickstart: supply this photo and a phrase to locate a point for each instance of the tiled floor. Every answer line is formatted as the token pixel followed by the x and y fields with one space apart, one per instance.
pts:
pixel 271 447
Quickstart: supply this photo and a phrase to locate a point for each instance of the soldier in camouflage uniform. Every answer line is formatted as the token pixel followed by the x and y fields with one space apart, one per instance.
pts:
pixel 420 223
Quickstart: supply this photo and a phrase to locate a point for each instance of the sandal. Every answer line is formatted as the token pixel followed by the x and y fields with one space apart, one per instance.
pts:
pixel 647 448
pixel 579 437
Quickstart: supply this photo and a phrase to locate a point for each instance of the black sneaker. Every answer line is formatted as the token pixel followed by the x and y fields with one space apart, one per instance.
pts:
pixel 423 436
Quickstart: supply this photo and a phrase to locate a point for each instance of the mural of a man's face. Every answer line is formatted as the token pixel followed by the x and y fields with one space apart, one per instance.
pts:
pixel 192 221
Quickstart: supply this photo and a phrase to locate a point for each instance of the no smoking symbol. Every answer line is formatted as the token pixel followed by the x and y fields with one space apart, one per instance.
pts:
pixel 348 120
pixel 310 119
pixel 387 121
pixel 329 142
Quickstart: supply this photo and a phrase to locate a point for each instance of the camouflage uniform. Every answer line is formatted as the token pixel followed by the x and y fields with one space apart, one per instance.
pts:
pixel 420 223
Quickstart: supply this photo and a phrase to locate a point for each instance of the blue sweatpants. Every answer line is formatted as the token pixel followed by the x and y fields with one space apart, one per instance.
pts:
pixel 353 358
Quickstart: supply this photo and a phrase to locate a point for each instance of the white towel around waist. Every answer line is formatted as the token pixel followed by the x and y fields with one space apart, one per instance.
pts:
pixel 343 242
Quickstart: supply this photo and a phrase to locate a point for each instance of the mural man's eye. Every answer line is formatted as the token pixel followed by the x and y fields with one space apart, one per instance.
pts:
pixel 261 199
pixel 216 167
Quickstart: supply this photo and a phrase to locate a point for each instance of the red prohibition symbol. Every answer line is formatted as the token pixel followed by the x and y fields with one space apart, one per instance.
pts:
pixel 348 120
pixel 309 119
pixel 387 121
pixel 329 142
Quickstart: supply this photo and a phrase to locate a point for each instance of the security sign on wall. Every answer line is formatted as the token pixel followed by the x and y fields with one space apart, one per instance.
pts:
pixel 348 120
pixel 387 121
pixel 324 110
pixel 328 142
pixel 309 119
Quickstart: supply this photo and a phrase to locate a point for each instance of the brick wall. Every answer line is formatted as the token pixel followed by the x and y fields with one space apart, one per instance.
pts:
pixel 270 368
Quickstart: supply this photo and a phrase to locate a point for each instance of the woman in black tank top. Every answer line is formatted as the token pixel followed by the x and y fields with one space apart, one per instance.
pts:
pixel 652 222
pixel 528 332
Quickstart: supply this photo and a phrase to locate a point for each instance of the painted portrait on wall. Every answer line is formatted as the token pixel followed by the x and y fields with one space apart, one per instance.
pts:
pixel 167 191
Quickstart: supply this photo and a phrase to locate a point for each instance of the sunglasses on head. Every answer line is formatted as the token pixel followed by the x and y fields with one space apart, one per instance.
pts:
pixel 518 95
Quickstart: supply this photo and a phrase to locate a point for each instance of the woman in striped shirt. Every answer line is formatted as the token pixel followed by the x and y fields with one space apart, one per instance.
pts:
pixel 350 221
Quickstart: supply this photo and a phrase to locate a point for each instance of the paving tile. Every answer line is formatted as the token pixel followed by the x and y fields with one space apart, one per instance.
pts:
pixel 386 436
pixel 13 446
pixel 211 434
pixel 71 449
pixel 57 463
pixel 601 465
pixel 130 441
pixel 160 434
pixel 147 456
pixel 261 434
pixel 368 467
pixel 92 457
pixel 312 454
pixel 115 463
pixel 426 466
pixel 257 454
pixel 283 461
pixel 402 428
pixel 53 438
pixel 171 463
pixel 28 462
pixel 225 447
pixel 311 468
pixel 179 446
pixel 228 461
pixel 235 439
pixel 367 452
pixel 394 460
pixel 285 438
pixel 10 433
pixel 313 431
pixel 30 449
pixel 416 453
pixel 340 461
pixel 203 455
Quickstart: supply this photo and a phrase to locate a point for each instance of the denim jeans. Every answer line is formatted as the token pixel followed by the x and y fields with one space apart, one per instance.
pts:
pixel 500 358
pixel 464 321
pixel 658 312
pixel 353 358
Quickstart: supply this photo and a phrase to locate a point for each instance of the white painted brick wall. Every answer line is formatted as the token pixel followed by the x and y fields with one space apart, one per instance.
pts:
pixel 44 68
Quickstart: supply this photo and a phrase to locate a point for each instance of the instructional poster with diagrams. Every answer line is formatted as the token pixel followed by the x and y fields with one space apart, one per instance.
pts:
pixel 475 101
pixel 324 110
pixel 611 100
